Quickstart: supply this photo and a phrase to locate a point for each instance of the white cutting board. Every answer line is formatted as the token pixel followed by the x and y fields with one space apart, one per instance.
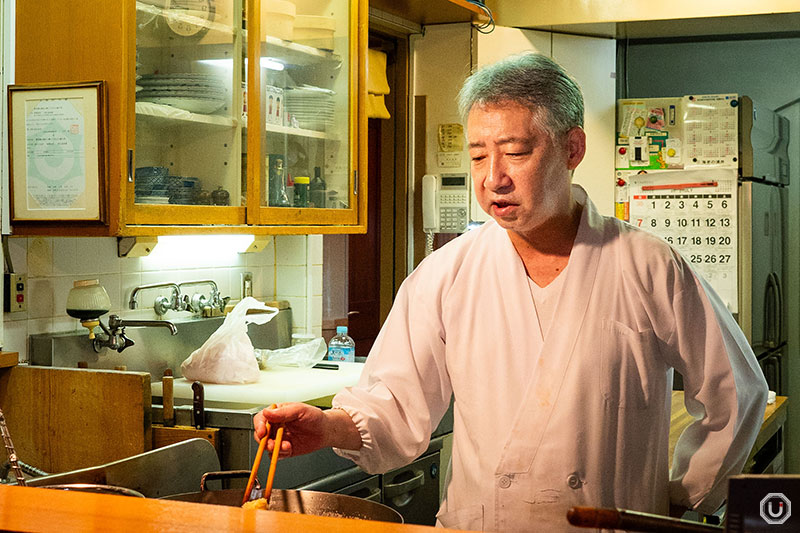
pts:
pixel 281 384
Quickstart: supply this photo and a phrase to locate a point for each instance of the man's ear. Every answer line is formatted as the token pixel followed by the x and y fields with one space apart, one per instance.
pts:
pixel 576 147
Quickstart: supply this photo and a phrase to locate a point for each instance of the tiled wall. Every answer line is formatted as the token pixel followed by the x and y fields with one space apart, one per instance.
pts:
pixel 289 268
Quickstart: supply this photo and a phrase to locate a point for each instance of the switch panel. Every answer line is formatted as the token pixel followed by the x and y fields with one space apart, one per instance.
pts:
pixel 15 291
pixel 247 284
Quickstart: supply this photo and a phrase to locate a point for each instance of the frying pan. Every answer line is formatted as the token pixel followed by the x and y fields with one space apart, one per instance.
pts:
pixel 291 501
pixel 593 517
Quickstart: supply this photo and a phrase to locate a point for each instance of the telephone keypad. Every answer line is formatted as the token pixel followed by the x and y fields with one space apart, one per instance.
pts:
pixel 453 212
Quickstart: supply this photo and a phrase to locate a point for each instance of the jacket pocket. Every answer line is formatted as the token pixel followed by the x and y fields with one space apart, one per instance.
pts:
pixel 629 367
pixel 468 518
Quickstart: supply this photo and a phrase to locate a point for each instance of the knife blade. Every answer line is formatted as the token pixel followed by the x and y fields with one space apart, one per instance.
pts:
pixel 198 412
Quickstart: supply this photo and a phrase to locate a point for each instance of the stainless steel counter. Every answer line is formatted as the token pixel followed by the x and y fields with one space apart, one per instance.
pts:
pixel 155 349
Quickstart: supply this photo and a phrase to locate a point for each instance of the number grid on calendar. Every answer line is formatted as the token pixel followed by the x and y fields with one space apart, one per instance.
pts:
pixel 700 224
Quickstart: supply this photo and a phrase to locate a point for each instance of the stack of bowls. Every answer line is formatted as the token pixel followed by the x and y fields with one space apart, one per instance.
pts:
pixel 184 191
pixel 315 30
pixel 150 185
pixel 277 19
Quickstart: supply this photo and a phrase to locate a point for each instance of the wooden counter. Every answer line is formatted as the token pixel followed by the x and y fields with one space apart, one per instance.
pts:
pixel 46 510
pixel 774 418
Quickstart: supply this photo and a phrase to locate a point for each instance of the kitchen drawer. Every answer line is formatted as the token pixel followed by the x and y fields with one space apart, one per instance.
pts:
pixel 414 490
pixel 367 489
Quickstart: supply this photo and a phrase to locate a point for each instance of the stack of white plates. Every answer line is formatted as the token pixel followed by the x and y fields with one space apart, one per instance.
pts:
pixel 197 93
pixel 162 200
pixel 312 107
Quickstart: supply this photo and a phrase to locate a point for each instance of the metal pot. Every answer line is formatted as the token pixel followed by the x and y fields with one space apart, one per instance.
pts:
pixel 291 501
pixel 95 488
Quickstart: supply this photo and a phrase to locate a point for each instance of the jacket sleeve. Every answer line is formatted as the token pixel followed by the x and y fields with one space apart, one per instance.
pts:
pixel 724 390
pixel 404 389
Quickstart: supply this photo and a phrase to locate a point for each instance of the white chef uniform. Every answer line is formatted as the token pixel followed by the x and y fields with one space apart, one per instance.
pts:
pixel 589 423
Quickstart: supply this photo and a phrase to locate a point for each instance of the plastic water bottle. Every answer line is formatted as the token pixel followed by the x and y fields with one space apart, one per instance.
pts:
pixel 342 347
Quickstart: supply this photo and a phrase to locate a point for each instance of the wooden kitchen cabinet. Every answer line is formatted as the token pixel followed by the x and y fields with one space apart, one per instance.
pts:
pixel 213 106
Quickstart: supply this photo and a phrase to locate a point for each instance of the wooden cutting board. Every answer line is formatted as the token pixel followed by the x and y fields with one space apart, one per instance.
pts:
pixel 8 359
pixel 63 419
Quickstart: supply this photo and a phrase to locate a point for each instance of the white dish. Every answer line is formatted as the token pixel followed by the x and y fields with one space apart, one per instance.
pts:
pixel 194 105
pixel 152 199
pixel 184 92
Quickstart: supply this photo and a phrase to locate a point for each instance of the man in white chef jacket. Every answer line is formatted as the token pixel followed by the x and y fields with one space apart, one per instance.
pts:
pixel 557 331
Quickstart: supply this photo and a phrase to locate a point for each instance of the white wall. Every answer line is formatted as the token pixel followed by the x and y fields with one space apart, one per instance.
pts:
pixel 768 71
pixel 290 268
pixel 447 53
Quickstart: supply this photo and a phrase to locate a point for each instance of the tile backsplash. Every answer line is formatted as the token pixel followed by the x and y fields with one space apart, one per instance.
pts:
pixel 289 268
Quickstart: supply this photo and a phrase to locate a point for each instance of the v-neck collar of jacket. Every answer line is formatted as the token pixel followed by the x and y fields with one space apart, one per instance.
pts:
pixel 557 350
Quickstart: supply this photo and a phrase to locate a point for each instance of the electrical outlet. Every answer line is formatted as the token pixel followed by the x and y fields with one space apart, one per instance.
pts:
pixel 15 289
pixel 247 284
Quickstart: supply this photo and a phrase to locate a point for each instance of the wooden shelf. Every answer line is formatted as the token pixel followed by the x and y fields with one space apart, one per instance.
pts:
pixel 431 11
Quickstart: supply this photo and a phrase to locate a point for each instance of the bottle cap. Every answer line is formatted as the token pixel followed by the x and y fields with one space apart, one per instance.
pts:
pixel 302 179
pixel 341 330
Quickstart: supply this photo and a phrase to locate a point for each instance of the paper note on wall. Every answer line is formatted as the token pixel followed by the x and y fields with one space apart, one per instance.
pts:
pixel 451 137
pixel 711 129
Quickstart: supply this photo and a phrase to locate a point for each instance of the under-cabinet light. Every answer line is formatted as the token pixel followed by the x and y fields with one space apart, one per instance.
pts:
pixel 192 244
pixel 272 64
pixel 173 251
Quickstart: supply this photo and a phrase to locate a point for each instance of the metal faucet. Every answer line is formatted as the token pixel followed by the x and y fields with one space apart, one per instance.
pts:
pixel 181 302
pixel 198 301
pixel 115 337
pixel 162 304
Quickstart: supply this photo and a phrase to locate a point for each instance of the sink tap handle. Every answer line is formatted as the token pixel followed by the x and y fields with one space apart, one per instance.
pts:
pixel 126 342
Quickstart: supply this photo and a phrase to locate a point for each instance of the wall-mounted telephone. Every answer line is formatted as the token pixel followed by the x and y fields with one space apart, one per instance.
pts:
pixel 445 203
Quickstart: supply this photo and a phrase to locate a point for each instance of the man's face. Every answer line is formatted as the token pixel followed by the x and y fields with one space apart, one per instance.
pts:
pixel 520 174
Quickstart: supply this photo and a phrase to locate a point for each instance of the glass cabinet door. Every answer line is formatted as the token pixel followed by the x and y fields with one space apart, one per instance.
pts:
pixel 306 83
pixel 189 109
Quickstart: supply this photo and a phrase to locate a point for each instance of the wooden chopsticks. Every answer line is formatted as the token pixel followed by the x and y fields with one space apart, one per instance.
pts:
pixel 257 462
pixel 273 462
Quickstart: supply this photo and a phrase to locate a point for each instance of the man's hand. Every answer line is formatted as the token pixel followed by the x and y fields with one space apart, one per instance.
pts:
pixel 307 428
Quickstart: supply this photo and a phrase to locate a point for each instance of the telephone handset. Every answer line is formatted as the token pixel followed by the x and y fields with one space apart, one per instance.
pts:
pixel 430 203
pixel 445 203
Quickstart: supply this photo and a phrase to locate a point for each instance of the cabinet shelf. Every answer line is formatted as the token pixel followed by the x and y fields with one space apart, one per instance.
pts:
pixel 300 132
pixel 297 54
pixel 173 114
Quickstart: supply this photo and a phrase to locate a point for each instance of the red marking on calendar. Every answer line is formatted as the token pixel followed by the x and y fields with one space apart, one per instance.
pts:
pixel 679 186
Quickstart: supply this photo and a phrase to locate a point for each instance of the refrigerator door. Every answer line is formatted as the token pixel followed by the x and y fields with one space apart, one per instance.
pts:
pixel 763 142
pixel 772 367
pixel 761 263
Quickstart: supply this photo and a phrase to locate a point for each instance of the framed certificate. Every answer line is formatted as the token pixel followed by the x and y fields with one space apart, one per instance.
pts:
pixel 57 151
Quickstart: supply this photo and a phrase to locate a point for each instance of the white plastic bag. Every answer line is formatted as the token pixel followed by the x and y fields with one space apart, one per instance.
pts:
pixel 228 355
pixel 303 355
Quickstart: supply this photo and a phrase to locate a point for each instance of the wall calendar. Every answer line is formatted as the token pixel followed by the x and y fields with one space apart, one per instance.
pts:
pixel 695 211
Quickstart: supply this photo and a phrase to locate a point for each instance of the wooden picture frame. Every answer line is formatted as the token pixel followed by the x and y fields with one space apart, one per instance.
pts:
pixel 57 153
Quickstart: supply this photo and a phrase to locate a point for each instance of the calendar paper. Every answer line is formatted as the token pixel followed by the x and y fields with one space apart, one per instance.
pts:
pixel 696 212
